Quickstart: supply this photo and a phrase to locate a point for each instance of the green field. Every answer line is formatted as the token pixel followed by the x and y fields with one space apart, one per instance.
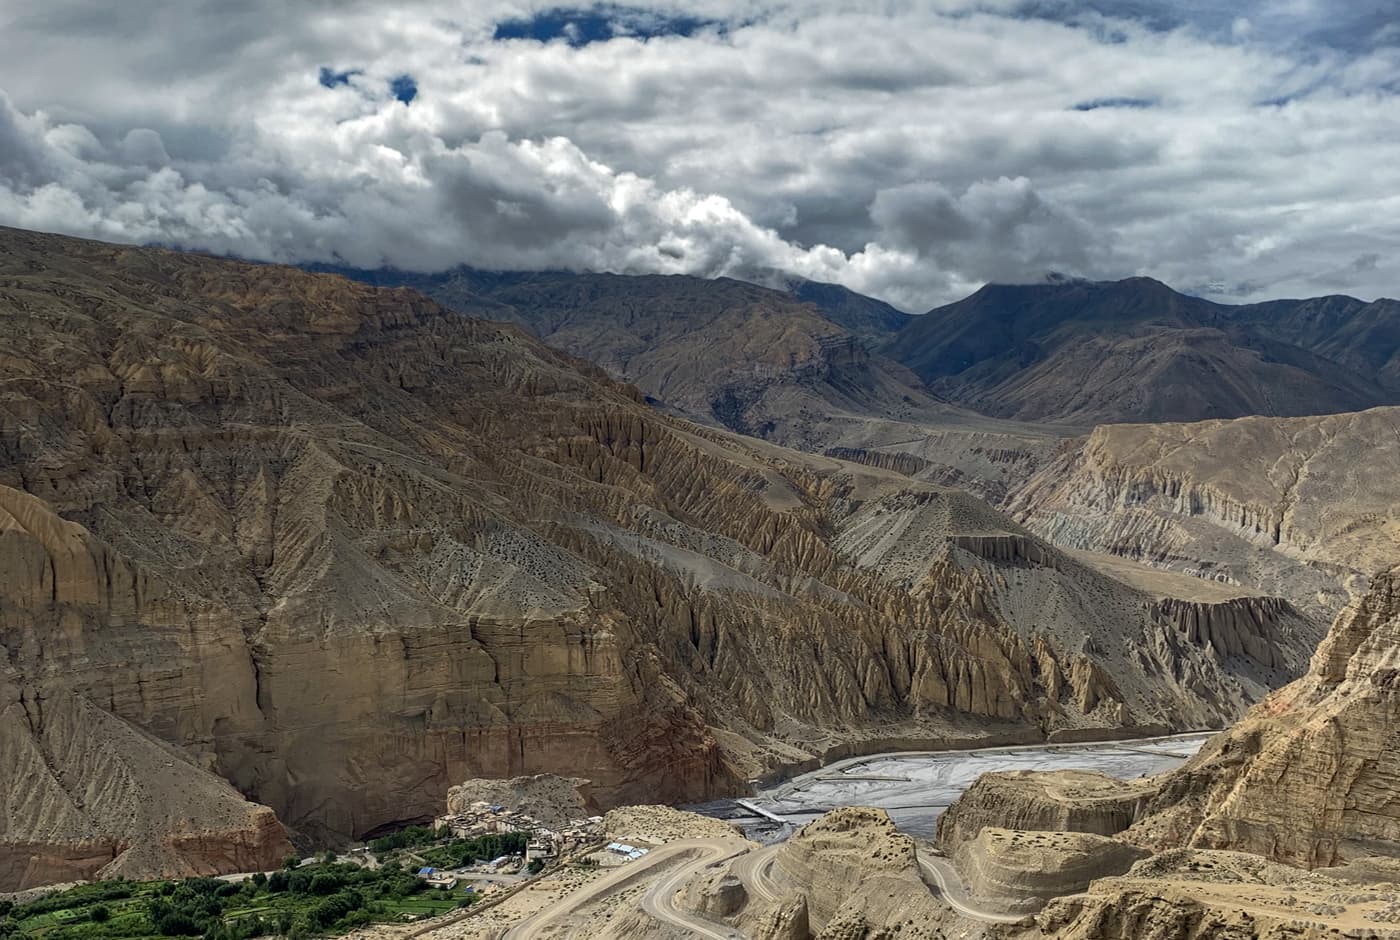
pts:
pixel 315 900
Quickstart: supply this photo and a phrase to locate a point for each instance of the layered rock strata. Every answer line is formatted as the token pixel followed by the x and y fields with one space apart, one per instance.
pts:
pixel 1300 507
pixel 1020 871
pixel 1057 801
pixel 1311 776
pixel 857 877
pixel 1205 895
pixel 1308 778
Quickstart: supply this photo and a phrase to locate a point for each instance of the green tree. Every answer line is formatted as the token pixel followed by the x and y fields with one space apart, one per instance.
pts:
pixel 325 882
pixel 100 914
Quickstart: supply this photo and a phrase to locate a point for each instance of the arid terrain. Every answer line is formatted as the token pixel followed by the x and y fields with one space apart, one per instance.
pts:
pixel 1293 506
pixel 342 548
pixel 290 561
pixel 738 470
pixel 1282 827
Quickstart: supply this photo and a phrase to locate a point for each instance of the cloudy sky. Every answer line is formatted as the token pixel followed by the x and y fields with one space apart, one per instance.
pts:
pixel 909 150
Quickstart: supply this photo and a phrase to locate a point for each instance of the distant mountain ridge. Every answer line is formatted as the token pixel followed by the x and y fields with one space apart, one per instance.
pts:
pixel 1067 351
pixel 1137 350
pixel 789 366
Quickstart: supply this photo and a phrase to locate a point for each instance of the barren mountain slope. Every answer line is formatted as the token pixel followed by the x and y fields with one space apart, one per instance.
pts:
pixel 871 319
pixel 1135 350
pixel 1302 507
pixel 345 548
pixel 1360 335
pixel 88 795
pixel 791 367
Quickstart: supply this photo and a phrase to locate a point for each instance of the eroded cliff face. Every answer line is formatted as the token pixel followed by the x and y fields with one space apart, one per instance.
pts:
pixel 88 795
pixel 1309 777
pixel 1299 507
pixel 853 875
pixel 345 548
pixel 1062 801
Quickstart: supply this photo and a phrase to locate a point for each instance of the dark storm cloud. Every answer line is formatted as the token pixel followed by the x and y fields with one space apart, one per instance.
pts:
pixel 912 151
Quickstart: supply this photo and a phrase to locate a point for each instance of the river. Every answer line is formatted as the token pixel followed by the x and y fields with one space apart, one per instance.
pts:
pixel 915 788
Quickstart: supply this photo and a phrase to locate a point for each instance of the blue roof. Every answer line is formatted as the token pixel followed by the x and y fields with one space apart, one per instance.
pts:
pixel 426 871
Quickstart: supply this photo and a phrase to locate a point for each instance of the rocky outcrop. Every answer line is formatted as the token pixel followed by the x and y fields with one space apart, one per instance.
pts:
pixel 1010 549
pixel 859 877
pixel 1203 895
pixel 1241 626
pixel 786 920
pixel 1020 871
pixel 1059 801
pixel 1310 777
pixel 724 897
pixel 897 461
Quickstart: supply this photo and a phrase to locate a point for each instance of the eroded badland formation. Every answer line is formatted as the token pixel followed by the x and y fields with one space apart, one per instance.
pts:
pixel 285 557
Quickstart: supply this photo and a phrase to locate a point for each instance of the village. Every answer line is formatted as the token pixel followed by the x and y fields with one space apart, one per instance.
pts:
pixel 528 847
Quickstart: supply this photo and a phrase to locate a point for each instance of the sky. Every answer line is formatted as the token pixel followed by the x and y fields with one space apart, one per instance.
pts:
pixel 912 151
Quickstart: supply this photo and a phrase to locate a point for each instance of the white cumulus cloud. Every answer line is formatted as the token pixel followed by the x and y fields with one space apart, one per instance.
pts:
pixel 911 150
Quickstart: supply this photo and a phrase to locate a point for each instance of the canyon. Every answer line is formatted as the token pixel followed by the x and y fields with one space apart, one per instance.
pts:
pixel 285 558
pixel 343 548
pixel 1277 494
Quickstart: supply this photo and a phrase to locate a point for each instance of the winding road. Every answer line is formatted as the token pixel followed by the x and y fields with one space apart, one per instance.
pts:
pixel 949 886
pixel 754 869
pixel 659 902
pixel 691 856
pixel 670 867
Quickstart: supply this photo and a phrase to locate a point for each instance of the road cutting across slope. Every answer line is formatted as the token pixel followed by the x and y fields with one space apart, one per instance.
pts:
pixel 688 858
pixel 755 869
pixel 949 887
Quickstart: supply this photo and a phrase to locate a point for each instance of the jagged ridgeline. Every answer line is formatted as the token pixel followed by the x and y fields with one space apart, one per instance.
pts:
pixel 271 539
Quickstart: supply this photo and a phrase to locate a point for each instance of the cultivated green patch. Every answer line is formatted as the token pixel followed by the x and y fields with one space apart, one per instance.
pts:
pixel 325 899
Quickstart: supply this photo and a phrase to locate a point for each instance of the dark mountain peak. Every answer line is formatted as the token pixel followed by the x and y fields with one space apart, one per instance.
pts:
pixel 862 315
pixel 1135 349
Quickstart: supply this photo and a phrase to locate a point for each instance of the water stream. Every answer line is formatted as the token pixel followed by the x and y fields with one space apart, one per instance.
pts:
pixel 915 788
